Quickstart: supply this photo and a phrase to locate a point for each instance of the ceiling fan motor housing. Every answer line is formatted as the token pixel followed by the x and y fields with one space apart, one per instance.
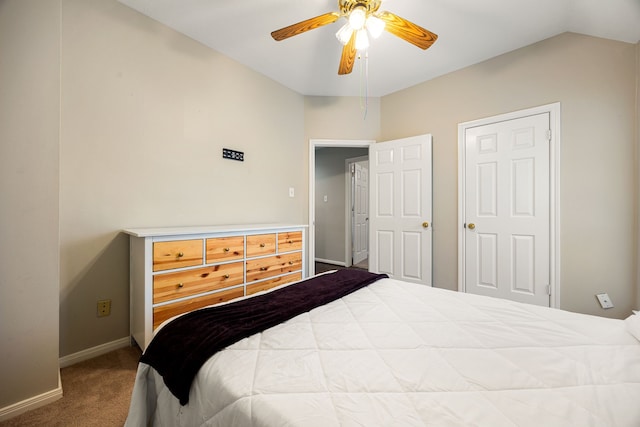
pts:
pixel 369 6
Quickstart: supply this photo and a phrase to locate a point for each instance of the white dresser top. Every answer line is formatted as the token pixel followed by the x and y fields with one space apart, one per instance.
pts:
pixel 205 229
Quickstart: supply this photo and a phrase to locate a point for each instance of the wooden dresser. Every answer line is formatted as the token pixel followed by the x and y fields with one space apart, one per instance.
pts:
pixel 179 269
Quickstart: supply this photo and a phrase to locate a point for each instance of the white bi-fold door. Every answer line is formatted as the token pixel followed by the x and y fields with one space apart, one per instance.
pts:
pixel 507 209
pixel 400 242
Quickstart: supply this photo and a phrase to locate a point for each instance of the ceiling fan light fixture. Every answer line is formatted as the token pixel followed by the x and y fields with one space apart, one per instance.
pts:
pixel 344 34
pixel 364 20
pixel 362 40
pixel 375 26
pixel 357 18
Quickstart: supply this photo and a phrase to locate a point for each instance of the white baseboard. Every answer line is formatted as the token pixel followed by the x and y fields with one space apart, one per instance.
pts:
pixel 32 403
pixel 92 352
pixel 329 261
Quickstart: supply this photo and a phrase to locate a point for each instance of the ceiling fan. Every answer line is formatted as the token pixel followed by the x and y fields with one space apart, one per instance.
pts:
pixel 362 16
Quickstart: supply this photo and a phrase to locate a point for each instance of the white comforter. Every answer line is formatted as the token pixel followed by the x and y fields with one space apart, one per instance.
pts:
pixel 400 354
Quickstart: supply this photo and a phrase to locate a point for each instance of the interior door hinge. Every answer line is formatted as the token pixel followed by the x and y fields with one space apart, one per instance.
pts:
pixel 548 134
pixel 549 290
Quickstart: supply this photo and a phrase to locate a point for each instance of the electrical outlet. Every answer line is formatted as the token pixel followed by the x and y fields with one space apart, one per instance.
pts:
pixel 104 307
pixel 605 301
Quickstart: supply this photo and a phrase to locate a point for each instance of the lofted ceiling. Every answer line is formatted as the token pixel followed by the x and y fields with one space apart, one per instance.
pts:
pixel 470 31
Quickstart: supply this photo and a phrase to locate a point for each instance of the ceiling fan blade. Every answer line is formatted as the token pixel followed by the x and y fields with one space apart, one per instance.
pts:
pixel 301 27
pixel 348 56
pixel 407 30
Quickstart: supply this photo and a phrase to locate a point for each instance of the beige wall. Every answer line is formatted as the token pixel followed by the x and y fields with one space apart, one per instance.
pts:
pixel 145 115
pixel 594 80
pixel 330 117
pixel 29 128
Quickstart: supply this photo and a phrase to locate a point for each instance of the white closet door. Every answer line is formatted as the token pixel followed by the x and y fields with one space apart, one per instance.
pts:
pixel 507 209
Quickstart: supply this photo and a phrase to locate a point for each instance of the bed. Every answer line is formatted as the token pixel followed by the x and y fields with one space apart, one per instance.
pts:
pixel 391 353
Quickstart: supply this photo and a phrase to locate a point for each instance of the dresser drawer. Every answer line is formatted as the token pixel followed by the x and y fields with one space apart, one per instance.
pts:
pixel 169 286
pixel 225 249
pixel 291 241
pixel 164 312
pixel 272 283
pixel 263 268
pixel 261 244
pixel 176 254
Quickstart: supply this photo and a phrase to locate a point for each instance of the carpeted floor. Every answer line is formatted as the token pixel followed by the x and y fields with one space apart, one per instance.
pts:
pixel 96 392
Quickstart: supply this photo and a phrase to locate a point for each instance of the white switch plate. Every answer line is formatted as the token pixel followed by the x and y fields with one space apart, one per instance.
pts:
pixel 326 198
pixel 292 192
pixel 604 300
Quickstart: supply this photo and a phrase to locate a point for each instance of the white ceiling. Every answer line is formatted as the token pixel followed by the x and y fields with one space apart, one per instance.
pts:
pixel 469 31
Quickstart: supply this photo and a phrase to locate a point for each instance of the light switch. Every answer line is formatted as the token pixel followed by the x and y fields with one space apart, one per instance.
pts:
pixel 326 198
pixel 292 192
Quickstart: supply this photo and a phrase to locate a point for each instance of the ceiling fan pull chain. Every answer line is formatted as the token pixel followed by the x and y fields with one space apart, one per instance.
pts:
pixel 364 83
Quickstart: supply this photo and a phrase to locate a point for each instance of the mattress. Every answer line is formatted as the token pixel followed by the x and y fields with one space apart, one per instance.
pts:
pixel 402 354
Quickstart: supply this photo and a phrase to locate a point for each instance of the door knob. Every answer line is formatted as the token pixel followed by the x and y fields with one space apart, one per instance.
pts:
pixel 471 226
pixel 425 224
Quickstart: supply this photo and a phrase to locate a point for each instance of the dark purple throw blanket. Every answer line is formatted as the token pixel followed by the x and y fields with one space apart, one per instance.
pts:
pixel 182 346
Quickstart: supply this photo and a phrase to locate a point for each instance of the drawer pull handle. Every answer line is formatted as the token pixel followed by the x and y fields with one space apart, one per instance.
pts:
pixel 226 276
pixel 263 268
pixel 290 262
pixel 180 254
pixel 180 285
pixel 289 241
pixel 226 249
pixel 262 245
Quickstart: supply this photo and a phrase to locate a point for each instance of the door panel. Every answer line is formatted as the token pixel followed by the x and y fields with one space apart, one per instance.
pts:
pixel 507 214
pixel 385 252
pixel 400 209
pixel 384 202
pixel 523 264
pixel 487 260
pixel 411 254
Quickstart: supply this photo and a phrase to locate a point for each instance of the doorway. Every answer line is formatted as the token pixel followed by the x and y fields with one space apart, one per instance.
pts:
pixel 508 206
pixel 316 199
